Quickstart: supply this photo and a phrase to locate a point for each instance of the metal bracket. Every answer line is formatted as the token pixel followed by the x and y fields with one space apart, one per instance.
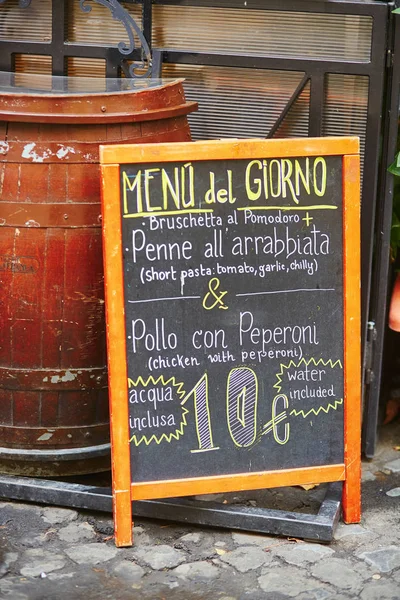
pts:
pixel 318 527
pixel 369 350
pixel 119 13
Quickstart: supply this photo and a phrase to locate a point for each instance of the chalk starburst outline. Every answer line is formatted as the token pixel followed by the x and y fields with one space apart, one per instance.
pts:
pixel 164 437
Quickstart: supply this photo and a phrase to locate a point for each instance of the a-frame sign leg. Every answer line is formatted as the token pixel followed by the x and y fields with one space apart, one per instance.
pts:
pixel 352 359
pixel 117 370
pixel 122 511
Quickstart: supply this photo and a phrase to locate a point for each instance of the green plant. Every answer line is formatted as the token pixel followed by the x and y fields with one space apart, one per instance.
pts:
pixel 395 231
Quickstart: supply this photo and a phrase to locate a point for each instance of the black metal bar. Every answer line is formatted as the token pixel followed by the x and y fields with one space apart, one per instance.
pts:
pixel 380 286
pixel 371 160
pixel 147 21
pixel 260 520
pixel 6 62
pixel 79 50
pixel 113 63
pixel 310 66
pixel 84 51
pixel 211 59
pixel 55 493
pixel 317 93
pixel 58 15
pixel 211 514
pixel 314 6
pixel 331 505
pixel 288 106
pixel 24 47
pixel 22 3
pixel 156 71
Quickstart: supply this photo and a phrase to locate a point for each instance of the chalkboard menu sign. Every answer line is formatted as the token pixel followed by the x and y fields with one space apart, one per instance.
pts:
pixel 232 298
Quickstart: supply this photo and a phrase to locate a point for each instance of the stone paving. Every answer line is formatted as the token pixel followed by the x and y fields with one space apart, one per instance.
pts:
pixel 50 553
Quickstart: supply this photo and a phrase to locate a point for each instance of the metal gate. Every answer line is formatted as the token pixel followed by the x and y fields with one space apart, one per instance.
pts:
pixel 377 325
pixel 258 69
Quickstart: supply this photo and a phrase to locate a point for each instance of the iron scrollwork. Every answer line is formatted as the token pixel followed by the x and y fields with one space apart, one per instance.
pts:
pixel 119 13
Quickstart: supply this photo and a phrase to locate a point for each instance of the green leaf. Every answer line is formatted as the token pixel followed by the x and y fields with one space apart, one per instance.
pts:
pixel 394 168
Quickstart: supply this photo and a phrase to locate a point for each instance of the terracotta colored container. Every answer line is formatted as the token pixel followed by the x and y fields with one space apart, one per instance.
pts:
pixel 394 310
pixel 53 379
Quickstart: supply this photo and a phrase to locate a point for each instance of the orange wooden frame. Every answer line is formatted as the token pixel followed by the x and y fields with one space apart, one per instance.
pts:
pixel 124 491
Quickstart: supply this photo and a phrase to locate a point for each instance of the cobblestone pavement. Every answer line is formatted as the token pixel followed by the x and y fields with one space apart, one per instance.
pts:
pixel 54 553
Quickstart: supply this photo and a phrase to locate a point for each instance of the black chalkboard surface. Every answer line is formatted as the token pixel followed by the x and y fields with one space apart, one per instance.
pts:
pixel 234 317
pixel 233 293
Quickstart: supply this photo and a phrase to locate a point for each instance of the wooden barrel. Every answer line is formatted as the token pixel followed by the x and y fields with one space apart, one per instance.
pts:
pixel 53 379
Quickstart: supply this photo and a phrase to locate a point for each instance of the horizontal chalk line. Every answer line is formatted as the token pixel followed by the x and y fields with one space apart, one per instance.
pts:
pixel 161 299
pixel 289 291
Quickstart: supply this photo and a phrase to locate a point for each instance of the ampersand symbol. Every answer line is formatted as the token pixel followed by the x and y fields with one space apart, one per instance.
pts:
pixel 213 286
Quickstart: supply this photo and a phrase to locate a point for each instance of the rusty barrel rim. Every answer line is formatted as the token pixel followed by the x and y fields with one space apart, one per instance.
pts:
pixel 104 107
